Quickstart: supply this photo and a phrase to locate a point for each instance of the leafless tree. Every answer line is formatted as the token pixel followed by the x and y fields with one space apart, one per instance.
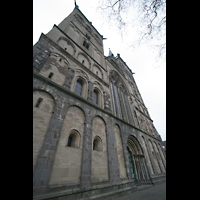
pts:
pixel 149 16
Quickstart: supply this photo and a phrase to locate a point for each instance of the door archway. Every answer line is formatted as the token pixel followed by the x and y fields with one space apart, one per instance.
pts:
pixel 138 167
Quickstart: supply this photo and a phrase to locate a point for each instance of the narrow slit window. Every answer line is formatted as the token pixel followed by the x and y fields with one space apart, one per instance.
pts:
pixel 38 102
pixel 50 75
pixel 113 98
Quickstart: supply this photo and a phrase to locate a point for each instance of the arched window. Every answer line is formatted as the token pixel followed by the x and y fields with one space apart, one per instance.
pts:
pixel 69 143
pixel 73 139
pixel 97 144
pixel 38 102
pixel 120 101
pixel 95 97
pixel 79 86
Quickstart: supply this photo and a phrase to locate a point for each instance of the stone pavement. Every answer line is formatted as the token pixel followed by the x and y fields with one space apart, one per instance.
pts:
pixel 156 192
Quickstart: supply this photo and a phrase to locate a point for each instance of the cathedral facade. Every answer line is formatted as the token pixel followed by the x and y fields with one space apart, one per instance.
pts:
pixel 92 133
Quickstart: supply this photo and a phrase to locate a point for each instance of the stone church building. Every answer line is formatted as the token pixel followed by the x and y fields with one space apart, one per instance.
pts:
pixel 92 133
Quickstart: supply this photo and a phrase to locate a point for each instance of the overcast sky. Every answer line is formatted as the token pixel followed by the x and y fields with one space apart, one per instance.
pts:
pixel 150 74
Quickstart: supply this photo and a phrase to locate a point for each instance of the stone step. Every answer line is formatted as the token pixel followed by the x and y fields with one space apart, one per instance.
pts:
pixel 112 194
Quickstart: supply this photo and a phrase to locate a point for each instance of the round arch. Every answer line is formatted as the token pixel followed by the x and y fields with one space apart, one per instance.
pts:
pixel 80 75
pixel 43 108
pixel 137 162
pixel 58 55
pixel 134 145
pixel 97 70
pixel 49 92
pixel 97 143
pixel 74 105
pixel 69 43
pixel 82 57
pixel 73 139
pixel 104 121
pixel 99 88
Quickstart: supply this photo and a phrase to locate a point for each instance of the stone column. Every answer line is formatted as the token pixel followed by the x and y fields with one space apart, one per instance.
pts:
pixel 113 165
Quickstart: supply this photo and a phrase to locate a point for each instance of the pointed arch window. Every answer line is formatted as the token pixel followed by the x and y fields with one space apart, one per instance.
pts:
pixel 120 100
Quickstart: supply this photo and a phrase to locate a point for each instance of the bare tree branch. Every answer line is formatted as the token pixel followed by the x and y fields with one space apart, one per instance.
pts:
pixel 151 14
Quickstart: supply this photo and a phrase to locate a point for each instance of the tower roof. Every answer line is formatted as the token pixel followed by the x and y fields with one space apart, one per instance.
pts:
pixel 77 7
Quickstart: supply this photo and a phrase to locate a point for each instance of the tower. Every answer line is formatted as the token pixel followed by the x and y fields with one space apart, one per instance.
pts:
pixel 92 133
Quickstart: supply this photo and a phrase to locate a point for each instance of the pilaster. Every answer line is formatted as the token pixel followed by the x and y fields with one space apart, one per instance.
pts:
pixel 113 166
pixel 86 153
pixel 151 157
pixel 69 77
pixel 45 161
pixel 90 91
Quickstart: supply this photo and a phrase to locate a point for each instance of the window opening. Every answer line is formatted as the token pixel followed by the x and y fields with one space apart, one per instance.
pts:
pixel 113 98
pixel 118 103
pixel 69 144
pixel 86 44
pixel 122 94
pixel 50 75
pixel 38 102
pixel 78 88
pixel 97 144
pixel 87 36
pixel 95 97
pixel 131 164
